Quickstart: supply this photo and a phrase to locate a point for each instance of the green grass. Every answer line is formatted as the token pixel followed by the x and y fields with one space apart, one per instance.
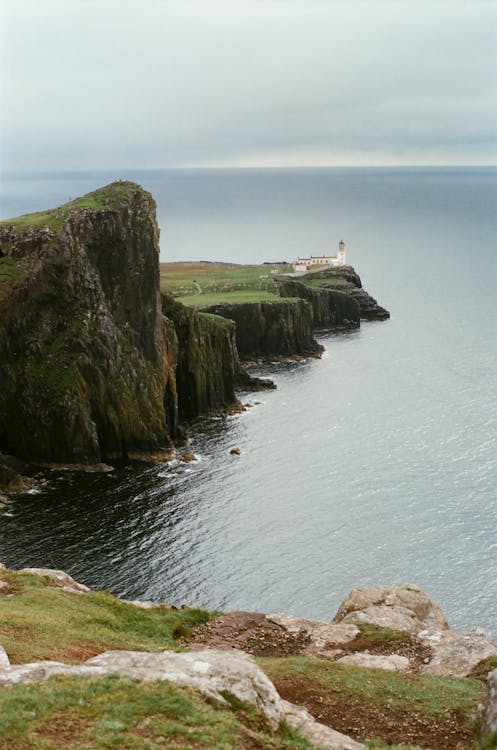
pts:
pixel 325 283
pixel 10 272
pixel 186 278
pixel 43 622
pixel 230 298
pixel 105 198
pixel 111 712
pixel 432 696
pixel 377 635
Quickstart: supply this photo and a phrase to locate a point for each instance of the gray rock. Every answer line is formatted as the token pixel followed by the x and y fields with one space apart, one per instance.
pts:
pixel 4 659
pixel 457 653
pixel 393 662
pixel 401 606
pixel 68 583
pixel 490 717
pixel 18 674
pixel 211 672
pixel 146 604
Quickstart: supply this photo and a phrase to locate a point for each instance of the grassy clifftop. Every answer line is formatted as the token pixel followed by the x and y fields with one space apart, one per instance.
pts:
pixel 106 198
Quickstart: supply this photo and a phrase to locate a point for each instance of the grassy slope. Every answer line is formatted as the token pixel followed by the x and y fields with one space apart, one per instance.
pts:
pixel 40 621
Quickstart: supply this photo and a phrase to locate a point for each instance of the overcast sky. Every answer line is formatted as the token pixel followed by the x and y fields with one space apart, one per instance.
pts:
pixel 157 83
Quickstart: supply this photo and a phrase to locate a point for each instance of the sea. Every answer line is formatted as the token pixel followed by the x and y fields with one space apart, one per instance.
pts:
pixel 373 465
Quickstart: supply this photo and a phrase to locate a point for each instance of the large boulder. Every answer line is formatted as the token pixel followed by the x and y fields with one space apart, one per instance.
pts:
pixel 457 653
pixel 400 606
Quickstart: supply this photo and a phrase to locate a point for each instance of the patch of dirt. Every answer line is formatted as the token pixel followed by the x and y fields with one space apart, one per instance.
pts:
pixel 63 732
pixel 248 631
pixel 77 653
pixel 365 720
pixel 416 651
pixel 9 588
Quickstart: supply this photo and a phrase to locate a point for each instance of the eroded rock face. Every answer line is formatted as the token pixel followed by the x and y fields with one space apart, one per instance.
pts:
pixel 83 350
pixel 401 606
pixel 271 329
pixel 331 309
pixel 344 280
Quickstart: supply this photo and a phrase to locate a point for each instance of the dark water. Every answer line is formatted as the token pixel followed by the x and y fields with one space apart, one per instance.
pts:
pixel 376 464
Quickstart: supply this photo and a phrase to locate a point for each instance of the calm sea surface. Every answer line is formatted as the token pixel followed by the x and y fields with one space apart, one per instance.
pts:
pixel 376 464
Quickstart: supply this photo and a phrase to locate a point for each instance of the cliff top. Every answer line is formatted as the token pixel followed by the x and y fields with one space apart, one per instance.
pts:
pixel 107 198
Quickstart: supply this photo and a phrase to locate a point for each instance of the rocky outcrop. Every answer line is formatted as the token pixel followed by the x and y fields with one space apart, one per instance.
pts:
pixel 65 581
pixel 344 280
pixel 212 673
pixel 331 310
pixel 208 368
pixel 401 606
pixel 271 329
pixel 85 357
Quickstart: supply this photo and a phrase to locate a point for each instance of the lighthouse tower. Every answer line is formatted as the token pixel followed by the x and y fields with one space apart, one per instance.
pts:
pixel 341 253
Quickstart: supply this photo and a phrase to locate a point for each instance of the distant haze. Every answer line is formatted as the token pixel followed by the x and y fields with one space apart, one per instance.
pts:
pixel 88 84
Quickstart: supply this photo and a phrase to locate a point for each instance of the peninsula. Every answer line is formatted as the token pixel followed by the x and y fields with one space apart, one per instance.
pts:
pixel 104 352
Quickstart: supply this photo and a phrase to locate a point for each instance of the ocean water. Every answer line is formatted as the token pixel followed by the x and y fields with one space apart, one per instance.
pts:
pixel 375 464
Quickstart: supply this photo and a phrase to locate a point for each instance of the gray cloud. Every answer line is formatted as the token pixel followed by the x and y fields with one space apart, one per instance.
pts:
pixel 155 83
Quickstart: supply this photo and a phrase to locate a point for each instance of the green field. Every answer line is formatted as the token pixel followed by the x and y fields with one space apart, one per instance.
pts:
pixel 200 284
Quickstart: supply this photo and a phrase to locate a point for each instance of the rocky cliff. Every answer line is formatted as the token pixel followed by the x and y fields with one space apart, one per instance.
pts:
pixel 271 329
pixel 208 368
pixel 344 280
pixel 88 359
pixel 85 359
pixel 331 309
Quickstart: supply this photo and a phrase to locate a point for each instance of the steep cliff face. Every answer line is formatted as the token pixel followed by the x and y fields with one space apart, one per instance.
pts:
pixel 87 361
pixel 345 280
pixel 207 364
pixel 330 309
pixel 269 329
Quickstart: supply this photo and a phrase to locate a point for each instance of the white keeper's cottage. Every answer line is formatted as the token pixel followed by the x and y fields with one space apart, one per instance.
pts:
pixel 317 262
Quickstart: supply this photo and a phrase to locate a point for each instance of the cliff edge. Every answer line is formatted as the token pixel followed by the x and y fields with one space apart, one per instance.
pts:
pixel 89 360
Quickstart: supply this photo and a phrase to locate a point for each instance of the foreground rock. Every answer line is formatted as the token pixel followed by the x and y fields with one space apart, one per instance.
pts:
pixel 429 646
pixel 213 673
pixel 402 606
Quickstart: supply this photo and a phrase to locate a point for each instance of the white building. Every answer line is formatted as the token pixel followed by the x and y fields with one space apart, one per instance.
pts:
pixel 318 262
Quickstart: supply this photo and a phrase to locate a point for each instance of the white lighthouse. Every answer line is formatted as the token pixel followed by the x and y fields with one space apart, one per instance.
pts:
pixel 318 262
